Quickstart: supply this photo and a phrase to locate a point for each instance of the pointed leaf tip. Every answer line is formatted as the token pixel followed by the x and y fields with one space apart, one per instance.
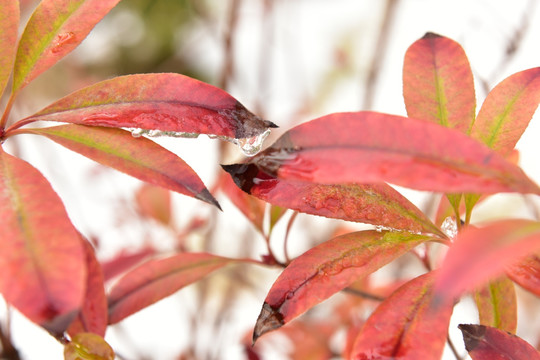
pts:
pixel 244 175
pixel 269 319
pixel 207 197
pixel 431 35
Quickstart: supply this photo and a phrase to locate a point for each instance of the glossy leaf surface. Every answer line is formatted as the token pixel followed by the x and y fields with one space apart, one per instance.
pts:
pixel 377 204
pixel 139 157
pixel 55 28
pixel 9 31
pixel 370 147
pixel 438 84
pixel 42 259
pixel 481 254
pixel 487 343
pixel 326 269
pixel 404 326
pixel 507 110
pixel 526 273
pixel 497 305
pixel 170 103
pixel 88 346
pixel 157 279
pixel 92 317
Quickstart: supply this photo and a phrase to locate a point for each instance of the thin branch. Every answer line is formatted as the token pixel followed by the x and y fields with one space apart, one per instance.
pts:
pixel 228 67
pixel 363 294
pixel 453 348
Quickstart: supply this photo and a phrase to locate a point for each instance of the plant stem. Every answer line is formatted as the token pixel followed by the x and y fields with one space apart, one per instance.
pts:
pixel 7 110
pixel 285 240
pixel 453 348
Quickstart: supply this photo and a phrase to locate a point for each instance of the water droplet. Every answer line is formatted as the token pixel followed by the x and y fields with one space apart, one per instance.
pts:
pixel 253 145
pixel 136 132
pixel 449 227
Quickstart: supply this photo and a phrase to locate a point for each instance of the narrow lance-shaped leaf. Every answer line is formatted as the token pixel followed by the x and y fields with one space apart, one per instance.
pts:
pixel 526 273
pixel 326 269
pixel 497 304
pixel 42 259
pixel 488 343
pixel 55 28
pixel 157 279
pixel 172 104
pixel 507 110
pixel 405 326
pixel 377 204
pixel 93 313
pixel 139 157
pixel 9 26
pixel 438 84
pixel 370 147
pixel 481 254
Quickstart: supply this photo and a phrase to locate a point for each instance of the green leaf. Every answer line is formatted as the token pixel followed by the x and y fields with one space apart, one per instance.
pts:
pixel 55 28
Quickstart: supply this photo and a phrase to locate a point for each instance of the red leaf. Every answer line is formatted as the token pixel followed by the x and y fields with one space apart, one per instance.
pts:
pixel 141 158
pixel 55 28
pixel 487 343
pixel 42 259
pixel 155 203
pixel 157 279
pixel 124 260
pixel 88 346
pixel 481 254
pixel 405 326
pixel 9 31
pixel 369 147
pixel 93 315
pixel 250 206
pixel 327 269
pixel 497 305
pixel 377 204
pixel 438 84
pixel 171 103
pixel 526 273
pixel 507 110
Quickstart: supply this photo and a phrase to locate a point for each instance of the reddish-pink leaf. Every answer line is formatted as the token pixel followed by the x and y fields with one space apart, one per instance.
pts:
pixel 42 259
pixel 326 269
pixel 55 28
pixel 250 206
pixel 507 110
pixel 139 157
pixel 93 314
pixel 155 203
pixel 125 260
pixel 497 304
pixel 526 273
pixel 9 30
pixel 438 84
pixel 157 279
pixel 405 326
pixel 174 104
pixel 88 346
pixel 370 147
pixel 481 254
pixel 487 343
pixel 377 204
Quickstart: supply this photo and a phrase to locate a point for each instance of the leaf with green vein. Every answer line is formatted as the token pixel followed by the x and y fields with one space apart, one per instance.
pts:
pixel 172 104
pixel 326 269
pixel 377 204
pixel 42 259
pixel 139 157
pixel 507 111
pixel 480 255
pixel 497 304
pixel 438 84
pixel 405 326
pixel 9 30
pixel 156 279
pixel 55 28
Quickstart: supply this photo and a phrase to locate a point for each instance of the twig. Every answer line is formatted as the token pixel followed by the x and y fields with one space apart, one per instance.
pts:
pixel 453 348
